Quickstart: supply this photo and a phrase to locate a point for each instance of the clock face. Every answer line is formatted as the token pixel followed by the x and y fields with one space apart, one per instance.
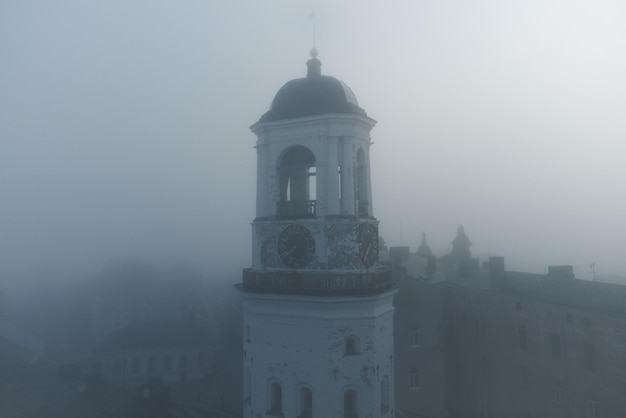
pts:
pixel 368 244
pixel 296 246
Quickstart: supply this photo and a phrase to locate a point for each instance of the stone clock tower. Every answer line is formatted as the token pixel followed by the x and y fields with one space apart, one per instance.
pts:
pixel 318 306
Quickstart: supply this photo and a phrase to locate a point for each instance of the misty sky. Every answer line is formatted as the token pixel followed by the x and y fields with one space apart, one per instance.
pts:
pixel 124 125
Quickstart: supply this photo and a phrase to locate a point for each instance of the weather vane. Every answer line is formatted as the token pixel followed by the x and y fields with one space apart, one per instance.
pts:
pixel 312 17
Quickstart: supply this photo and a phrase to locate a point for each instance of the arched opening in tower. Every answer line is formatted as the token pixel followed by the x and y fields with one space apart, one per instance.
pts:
pixel 350 401
pixel 297 178
pixel 306 403
pixel 276 400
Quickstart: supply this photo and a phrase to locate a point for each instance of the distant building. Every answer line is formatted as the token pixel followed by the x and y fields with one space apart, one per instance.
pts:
pixel 34 392
pixel 173 350
pixel 18 347
pixel 487 342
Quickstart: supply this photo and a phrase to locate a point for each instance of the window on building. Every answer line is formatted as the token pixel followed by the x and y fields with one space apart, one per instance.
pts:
pixel 414 337
pixel 525 378
pixel 98 367
pixel 555 345
pixel 484 364
pixel 306 402
pixel 592 408
pixel 558 395
pixel 248 333
pixel 182 361
pixel 482 406
pixel 351 346
pixel 116 367
pixel 248 386
pixel 151 365
pixel 135 366
pixel 522 337
pixel 414 380
pixel 350 404
pixel 384 395
pixel 276 399
pixel 167 362
pixel 589 356
pixel 452 323
pixel 201 359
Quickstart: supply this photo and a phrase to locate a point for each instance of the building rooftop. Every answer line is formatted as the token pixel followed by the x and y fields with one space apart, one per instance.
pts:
pixel 159 333
pixel 569 291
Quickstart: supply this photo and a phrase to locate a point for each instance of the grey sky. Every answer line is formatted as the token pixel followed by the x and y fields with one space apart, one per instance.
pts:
pixel 124 125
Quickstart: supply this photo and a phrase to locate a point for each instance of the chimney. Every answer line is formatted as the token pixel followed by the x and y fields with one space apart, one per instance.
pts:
pixel 497 274
pixel 561 272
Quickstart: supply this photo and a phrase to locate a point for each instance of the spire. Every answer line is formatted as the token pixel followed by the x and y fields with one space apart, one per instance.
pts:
pixel 460 248
pixel 424 250
pixel 314 65
pixel 461 244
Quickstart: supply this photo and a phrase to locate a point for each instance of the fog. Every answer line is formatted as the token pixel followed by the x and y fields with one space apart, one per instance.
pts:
pixel 124 126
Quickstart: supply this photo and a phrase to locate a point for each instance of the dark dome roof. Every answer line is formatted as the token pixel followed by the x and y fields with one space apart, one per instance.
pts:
pixel 314 94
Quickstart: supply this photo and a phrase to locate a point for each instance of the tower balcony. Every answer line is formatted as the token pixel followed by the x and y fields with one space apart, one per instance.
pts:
pixel 317 283
pixel 296 209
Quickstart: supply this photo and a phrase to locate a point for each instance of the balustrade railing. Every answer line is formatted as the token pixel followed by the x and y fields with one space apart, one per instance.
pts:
pixel 296 209
pixel 316 283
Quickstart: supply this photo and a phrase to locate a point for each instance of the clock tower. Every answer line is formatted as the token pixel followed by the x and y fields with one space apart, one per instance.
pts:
pixel 318 305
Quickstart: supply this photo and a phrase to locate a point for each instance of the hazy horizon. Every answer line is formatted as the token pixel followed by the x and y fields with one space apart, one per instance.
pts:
pixel 124 126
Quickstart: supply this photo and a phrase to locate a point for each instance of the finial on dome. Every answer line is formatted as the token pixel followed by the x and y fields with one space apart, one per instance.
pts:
pixel 314 65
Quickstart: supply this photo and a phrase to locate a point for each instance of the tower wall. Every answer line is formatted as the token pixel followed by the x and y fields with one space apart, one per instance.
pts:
pixel 302 341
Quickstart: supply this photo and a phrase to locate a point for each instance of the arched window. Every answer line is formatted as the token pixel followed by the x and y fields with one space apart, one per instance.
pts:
pixel 116 368
pixel 248 386
pixel 151 365
pixel 135 365
pixel 167 362
pixel 275 399
pixel 98 367
pixel 297 183
pixel 305 402
pixel 384 395
pixel 522 337
pixel 352 346
pixel 182 361
pixel 350 404
pixel 362 197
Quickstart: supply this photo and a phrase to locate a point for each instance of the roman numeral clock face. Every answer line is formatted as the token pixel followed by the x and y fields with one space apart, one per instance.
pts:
pixel 368 244
pixel 296 246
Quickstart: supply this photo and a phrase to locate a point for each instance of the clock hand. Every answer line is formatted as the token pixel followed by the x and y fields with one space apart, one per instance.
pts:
pixel 288 253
